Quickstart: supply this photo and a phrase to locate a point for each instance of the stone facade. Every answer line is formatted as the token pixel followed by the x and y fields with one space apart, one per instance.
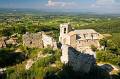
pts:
pixel 38 40
pixel 79 61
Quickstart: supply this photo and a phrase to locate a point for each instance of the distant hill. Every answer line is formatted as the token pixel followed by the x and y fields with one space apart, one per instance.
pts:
pixel 49 12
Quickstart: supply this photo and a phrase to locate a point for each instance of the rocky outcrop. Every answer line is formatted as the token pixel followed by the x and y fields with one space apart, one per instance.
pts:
pixel 79 61
pixel 2 42
pixel 12 40
pixel 29 64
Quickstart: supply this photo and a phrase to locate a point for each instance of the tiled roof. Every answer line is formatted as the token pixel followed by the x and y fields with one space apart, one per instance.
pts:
pixel 85 31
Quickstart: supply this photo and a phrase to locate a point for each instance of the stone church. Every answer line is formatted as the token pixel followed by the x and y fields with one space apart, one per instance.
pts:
pixel 81 40
pixel 76 47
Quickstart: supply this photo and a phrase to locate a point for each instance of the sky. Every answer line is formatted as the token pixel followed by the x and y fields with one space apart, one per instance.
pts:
pixel 99 6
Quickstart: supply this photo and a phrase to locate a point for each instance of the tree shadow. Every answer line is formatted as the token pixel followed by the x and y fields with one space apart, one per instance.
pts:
pixel 9 58
pixel 2 75
pixel 107 67
pixel 97 72
pixel 115 76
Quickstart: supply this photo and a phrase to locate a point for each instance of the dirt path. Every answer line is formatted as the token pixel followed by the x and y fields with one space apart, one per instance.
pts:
pixel 30 62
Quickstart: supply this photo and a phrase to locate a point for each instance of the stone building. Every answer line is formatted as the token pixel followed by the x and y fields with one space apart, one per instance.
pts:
pixel 79 61
pixel 79 39
pixel 38 40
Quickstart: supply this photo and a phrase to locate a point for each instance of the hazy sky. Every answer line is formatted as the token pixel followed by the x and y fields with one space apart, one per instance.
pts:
pixel 102 6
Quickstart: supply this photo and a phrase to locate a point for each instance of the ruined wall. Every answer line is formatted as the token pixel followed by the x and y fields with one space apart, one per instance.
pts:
pixel 48 41
pixel 79 61
pixel 2 42
pixel 12 40
pixel 38 40
pixel 33 40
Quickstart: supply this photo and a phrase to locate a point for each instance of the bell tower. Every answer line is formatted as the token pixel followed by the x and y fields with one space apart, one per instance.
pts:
pixel 64 29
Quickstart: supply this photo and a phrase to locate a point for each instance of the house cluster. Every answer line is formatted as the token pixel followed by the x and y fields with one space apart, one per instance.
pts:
pixel 76 47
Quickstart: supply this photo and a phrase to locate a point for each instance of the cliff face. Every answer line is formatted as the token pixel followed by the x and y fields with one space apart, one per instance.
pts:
pixel 79 61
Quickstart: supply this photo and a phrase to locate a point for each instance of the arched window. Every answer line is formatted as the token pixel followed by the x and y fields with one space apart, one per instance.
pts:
pixel 64 30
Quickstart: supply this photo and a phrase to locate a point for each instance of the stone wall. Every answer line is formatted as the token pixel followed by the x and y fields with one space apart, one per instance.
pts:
pixel 48 41
pixel 33 40
pixel 79 61
pixel 84 43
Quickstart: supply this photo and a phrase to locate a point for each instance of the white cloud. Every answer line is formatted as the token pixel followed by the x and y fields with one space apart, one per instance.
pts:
pixel 59 4
pixel 105 1
pixel 100 6
pixel 107 6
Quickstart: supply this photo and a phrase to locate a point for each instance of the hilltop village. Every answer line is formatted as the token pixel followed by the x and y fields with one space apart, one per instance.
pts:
pixel 75 45
pixel 59 45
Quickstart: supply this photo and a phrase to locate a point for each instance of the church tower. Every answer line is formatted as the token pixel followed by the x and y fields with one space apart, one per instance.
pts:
pixel 64 29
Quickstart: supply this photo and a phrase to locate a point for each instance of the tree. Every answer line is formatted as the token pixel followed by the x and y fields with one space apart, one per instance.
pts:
pixel 103 42
pixel 20 29
pixel 7 31
pixel 93 48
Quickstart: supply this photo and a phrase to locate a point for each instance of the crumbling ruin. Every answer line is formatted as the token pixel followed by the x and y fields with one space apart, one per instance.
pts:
pixel 38 40
pixel 79 61
pixel 33 40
